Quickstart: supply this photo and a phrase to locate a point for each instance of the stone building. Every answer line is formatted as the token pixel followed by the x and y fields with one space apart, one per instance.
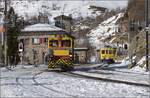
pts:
pixel 64 22
pixel 35 41
pixel 43 18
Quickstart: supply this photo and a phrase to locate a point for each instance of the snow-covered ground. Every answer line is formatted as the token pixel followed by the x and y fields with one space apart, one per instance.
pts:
pixel 31 81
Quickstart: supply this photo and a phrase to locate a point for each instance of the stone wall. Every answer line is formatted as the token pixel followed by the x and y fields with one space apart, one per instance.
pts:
pixel 138 46
pixel 40 51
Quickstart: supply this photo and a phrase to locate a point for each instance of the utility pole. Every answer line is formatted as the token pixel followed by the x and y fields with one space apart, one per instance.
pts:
pixel 146 26
pixel 5 34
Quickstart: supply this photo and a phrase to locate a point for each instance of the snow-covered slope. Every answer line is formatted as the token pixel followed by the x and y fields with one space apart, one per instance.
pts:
pixel 104 30
pixel 53 8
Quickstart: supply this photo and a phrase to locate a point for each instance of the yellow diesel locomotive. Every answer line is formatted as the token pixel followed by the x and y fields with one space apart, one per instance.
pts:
pixel 60 51
pixel 108 55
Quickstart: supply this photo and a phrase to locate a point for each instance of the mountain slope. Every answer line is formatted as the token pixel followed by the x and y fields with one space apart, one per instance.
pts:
pixel 105 29
pixel 52 8
pixel 28 8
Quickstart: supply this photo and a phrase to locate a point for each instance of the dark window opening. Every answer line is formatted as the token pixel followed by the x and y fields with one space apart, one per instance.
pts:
pixel 65 43
pixel 125 46
pixel 103 51
pixel 114 51
pixel 110 52
pixel 45 40
pixel 53 43
pixel 107 51
pixel 60 24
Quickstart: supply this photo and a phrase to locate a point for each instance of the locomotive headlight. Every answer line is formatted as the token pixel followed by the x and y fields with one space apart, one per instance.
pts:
pixel 51 56
pixel 70 55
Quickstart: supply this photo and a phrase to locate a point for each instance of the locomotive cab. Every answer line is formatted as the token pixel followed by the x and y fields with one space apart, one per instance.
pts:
pixel 60 51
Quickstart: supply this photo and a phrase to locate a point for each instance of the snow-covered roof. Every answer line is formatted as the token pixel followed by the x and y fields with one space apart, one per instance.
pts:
pixel 41 27
pixel 81 48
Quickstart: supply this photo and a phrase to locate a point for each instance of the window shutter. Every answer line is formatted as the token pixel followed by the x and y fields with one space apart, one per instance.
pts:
pixel 40 40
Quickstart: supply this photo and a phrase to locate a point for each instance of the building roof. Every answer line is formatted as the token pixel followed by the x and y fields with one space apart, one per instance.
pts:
pixel 41 27
pixel 80 49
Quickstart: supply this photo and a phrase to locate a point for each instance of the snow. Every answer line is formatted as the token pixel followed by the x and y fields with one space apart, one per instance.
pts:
pixel 112 20
pixel 142 60
pixel 33 81
pixel 53 8
pixel 112 39
pixel 84 27
pixel 81 27
pixel 41 27
pixel 141 66
pixel 139 69
pixel 105 29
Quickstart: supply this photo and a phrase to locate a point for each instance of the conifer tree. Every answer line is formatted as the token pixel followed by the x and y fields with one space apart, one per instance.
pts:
pixel 12 36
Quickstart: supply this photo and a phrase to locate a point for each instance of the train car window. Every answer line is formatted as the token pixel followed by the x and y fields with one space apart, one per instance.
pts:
pixel 103 51
pixel 114 51
pixel 110 52
pixel 107 51
pixel 53 43
pixel 66 43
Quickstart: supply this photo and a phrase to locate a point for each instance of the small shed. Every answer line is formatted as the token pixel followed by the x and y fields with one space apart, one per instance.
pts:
pixel 80 55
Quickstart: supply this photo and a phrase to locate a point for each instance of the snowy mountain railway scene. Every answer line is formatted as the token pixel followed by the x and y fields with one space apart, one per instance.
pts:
pixel 74 49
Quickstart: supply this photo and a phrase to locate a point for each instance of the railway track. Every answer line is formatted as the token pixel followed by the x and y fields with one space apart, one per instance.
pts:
pixel 51 89
pixel 42 85
pixel 17 79
pixel 78 75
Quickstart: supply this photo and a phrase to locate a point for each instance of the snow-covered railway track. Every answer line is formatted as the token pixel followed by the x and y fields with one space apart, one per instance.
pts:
pixel 78 75
pixel 36 87
pixel 48 88
pixel 33 90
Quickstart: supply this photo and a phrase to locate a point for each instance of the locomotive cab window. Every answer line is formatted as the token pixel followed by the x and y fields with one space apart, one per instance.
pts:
pixel 103 51
pixel 107 51
pixel 114 51
pixel 66 43
pixel 53 43
pixel 110 52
